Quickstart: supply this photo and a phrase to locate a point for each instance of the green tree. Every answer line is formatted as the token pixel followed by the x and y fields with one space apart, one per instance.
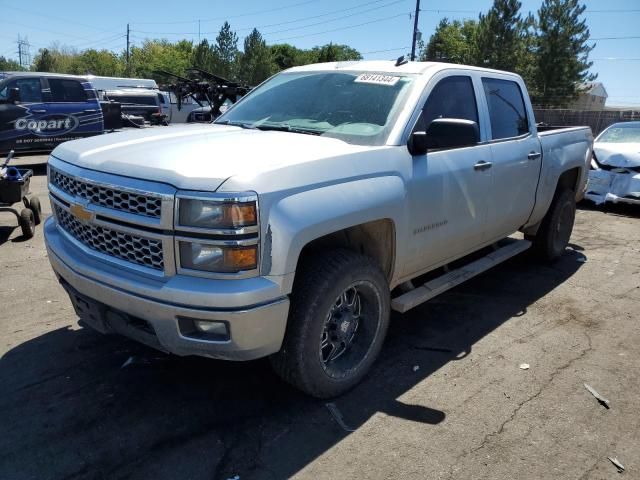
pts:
pixel 8 65
pixel 501 36
pixel 226 52
pixel 334 53
pixel 161 55
pixel 286 56
pixel 562 56
pixel 255 63
pixel 452 42
pixel 204 56
pixel 44 61
pixel 98 62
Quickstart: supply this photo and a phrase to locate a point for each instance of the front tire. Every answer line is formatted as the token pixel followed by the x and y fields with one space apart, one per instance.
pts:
pixel 553 236
pixel 337 323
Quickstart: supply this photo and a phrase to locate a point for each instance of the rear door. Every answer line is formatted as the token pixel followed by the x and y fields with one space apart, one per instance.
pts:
pixel 448 191
pixel 516 156
pixel 72 108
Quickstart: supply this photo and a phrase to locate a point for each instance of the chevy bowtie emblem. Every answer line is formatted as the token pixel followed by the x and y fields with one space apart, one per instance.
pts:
pixel 81 213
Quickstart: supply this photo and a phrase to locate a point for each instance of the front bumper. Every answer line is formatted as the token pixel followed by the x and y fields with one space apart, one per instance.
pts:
pixel 150 310
pixel 607 186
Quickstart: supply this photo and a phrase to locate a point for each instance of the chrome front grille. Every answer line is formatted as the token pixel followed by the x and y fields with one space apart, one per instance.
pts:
pixel 136 249
pixel 125 201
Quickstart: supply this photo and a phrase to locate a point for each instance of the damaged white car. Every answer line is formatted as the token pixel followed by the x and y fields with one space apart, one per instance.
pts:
pixel 615 166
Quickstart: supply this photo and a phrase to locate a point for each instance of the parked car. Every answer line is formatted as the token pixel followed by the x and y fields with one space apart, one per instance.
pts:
pixel 615 167
pixel 138 103
pixel 41 110
pixel 292 225
pixel 188 105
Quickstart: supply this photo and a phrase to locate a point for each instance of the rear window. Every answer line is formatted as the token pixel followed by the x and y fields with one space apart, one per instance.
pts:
pixel 133 99
pixel 506 108
pixel 65 90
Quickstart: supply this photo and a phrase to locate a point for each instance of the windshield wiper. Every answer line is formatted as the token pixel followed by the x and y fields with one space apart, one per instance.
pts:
pixel 285 127
pixel 245 125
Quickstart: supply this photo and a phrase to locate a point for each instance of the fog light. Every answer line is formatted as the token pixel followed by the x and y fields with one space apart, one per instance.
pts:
pixel 213 328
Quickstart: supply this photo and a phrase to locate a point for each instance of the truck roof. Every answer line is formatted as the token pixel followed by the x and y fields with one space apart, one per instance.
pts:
pixel 389 66
pixel 43 74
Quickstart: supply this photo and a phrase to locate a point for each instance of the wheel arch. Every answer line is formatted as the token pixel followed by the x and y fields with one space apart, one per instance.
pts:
pixel 569 179
pixel 366 215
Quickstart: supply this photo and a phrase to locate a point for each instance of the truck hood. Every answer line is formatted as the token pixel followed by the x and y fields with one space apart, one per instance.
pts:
pixel 618 154
pixel 197 157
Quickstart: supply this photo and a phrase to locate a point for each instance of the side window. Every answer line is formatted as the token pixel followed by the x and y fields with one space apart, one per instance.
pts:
pixel 506 108
pixel 452 97
pixel 65 90
pixel 161 98
pixel 30 90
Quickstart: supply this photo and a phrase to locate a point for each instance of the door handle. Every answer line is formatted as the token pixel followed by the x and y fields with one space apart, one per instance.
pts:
pixel 90 110
pixel 534 155
pixel 39 111
pixel 482 165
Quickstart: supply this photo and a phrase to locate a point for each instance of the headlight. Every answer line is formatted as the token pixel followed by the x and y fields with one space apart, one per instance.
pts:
pixel 214 214
pixel 217 258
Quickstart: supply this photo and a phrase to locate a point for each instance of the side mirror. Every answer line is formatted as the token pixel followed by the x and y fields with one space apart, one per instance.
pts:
pixel 14 95
pixel 417 143
pixel 444 133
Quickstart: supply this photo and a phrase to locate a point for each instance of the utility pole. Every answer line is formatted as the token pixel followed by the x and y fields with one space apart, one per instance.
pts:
pixel 128 66
pixel 198 31
pixel 415 31
pixel 24 57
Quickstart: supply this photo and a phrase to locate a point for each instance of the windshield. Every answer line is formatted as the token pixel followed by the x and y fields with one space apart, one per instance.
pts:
pixel 356 107
pixel 621 134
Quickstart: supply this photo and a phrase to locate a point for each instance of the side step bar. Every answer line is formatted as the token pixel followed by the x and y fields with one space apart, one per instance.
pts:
pixel 435 287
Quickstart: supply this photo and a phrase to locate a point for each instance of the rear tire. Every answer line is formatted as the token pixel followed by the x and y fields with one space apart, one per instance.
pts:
pixel 27 223
pixel 555 231
pixel 338 320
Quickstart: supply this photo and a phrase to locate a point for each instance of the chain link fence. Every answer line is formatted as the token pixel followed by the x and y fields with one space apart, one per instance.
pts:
pixel 598 120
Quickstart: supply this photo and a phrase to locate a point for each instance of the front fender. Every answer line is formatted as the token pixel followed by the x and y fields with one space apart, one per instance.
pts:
pixel 297 219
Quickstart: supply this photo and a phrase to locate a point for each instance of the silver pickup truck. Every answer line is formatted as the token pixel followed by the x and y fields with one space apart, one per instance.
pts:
pixel 328 196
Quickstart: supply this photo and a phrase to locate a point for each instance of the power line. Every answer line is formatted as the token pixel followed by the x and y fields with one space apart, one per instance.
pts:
pixel 259 12
pixel 341 17
pixel 616 59
pixel 335 19
pixel 386 50
pixel 49 16
pixel 302 19
pixel 344 28
pixel 615 38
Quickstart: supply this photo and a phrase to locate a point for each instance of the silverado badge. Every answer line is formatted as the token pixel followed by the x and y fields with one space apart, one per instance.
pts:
pixel 80 212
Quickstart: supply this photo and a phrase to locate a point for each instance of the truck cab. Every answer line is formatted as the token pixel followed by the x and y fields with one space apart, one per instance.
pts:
pixel 38 111
pixel 291 226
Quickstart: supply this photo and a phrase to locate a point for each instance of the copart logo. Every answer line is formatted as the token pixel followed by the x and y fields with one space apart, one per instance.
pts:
pixel 49 125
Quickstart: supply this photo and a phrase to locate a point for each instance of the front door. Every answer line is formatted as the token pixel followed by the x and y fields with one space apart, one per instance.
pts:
pixel 19 121
pixel 517 157
pixel 448 191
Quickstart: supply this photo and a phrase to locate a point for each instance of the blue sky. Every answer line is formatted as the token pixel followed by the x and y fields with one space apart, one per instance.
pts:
pixel 378 28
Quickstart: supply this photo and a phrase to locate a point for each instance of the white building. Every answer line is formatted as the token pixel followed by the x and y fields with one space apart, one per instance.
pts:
pixel 593 96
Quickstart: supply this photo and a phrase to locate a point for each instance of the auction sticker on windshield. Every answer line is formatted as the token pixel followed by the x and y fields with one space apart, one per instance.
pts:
pixel 377 79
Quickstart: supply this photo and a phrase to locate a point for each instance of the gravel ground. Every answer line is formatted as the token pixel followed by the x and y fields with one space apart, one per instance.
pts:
pixel 447 400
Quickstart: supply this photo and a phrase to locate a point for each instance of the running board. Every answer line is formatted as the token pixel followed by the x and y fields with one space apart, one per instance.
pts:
pixel 435 287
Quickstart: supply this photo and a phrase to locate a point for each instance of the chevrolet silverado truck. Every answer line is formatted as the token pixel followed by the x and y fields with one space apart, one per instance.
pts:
pixel 328 196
